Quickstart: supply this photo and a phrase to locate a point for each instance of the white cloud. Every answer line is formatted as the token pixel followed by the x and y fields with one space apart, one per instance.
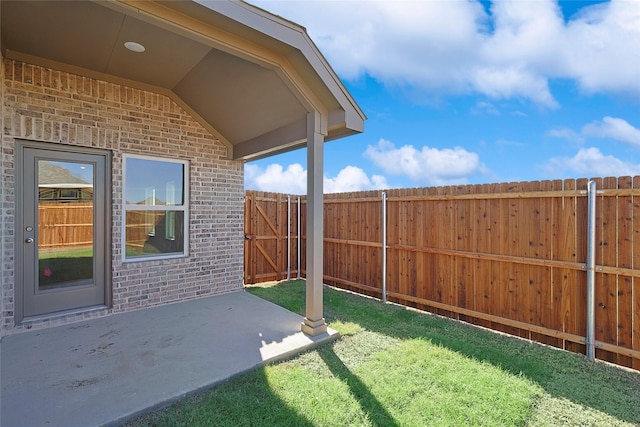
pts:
pixel 590 162
pixel 509 143
pixel 613 128
pixel 293 179
pixel 456 47
pixel 566 133
pixel 607 128
pixel 427 166
pixel 602 47
pixel 352 179
pixel 512 82
pixel 483 107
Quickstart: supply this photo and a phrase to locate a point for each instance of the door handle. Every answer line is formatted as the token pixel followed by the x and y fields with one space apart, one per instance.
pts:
pixel 29 240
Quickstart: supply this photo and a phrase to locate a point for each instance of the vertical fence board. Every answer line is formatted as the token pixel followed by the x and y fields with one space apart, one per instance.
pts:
pixel 341 233
pixel 635 259
pixel 508 308
pixel 445 265
pixel 497 268
pixel 402 258
pixel 521 246
pixel 463 235
pixel 544 250
pixel 439 238
pixel 248 268
pixel 606 284
pixel 482 274
pixel 422 227
pixel 555 206
pixel 254 250
pixel 530 236
pixel 392 239
pixel 563 240
pixel 624 258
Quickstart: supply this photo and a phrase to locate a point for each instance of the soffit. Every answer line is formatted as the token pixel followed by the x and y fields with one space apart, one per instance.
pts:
pixel 240 89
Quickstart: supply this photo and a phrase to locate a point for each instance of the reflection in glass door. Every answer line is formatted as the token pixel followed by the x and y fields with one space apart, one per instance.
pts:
pixel 65 224
pixel 62 241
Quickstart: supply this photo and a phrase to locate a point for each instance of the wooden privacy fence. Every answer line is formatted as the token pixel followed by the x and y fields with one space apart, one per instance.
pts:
pixel 511 257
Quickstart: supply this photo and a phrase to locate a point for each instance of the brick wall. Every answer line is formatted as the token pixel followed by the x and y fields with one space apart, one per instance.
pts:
pixel 47 105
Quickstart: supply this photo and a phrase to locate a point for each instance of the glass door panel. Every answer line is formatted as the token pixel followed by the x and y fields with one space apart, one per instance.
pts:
pixel 65 224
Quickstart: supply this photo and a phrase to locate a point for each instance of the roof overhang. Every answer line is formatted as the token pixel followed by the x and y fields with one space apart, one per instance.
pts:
pixel 249 77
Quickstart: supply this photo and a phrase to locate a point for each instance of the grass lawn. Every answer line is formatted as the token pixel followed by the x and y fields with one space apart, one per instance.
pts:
pixel 61 265
pixel 398 367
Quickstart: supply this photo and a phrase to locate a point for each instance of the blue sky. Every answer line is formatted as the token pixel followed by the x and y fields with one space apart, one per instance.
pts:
pixel 468 92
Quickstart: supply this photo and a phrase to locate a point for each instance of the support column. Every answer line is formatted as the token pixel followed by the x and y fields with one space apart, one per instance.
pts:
pixel 314 323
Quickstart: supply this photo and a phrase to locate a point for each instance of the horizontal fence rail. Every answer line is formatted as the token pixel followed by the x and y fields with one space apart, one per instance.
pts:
pixel 511 257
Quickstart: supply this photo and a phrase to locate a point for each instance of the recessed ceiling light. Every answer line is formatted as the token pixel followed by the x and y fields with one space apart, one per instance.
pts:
pixel 134 47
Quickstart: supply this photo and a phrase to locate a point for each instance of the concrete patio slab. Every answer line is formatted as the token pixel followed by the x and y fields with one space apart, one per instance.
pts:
pixel 106 371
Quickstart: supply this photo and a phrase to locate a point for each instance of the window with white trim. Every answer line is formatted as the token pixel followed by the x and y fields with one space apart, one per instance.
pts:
pixel 155 207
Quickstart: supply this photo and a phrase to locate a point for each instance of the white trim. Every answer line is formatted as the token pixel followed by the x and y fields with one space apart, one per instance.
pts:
pixel 65 185
pixel 174 208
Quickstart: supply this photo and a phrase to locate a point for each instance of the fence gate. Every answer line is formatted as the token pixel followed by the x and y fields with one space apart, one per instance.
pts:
pixel 265 237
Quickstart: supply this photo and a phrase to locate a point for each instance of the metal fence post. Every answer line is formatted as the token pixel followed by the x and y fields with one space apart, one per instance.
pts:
pixel 299 237
pixel 384 247
pixel 591 272
pixel 288 237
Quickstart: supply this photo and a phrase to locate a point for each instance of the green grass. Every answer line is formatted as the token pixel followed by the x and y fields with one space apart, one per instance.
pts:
pixel 58 266
pixel 398 367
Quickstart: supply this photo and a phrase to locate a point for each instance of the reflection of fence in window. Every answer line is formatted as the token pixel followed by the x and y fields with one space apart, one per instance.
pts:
pixel 140 226
pixel 65 224
pixel 138 241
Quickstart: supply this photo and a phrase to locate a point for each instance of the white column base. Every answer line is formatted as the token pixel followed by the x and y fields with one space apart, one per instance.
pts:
pixel 314 327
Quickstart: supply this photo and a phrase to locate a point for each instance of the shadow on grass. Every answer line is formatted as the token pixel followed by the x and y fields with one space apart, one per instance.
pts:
pixel 563 374
pixel 246 400
pixel 376 412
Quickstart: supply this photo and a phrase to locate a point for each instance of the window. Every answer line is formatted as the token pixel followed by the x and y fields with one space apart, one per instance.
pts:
pixel 47 194
pixel 66 193
pixel 155 208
